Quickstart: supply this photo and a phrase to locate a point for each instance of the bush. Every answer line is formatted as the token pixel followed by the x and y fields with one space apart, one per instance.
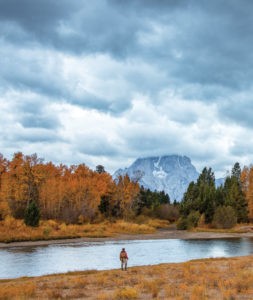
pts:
pixel 167 212
pixel 32 215
pixel 224 217
pixel 182 224
pixel 193 219
pixel 190 221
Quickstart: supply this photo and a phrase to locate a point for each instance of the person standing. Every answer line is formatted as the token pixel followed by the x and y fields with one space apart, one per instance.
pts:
pixel 123 258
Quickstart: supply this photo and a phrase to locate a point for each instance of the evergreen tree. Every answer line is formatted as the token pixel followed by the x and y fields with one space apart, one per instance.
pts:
pixel 150 199
pixel 233 194
pixel 104 206
pixel 100 169
pixel 190 201
pixel 32 215
pixel 206 196
pixel 200 196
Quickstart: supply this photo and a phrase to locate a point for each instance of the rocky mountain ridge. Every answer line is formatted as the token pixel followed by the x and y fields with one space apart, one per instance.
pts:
pixel 169 173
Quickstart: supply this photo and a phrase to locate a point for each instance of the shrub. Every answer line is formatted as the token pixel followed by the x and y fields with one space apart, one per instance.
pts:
pixel 167 212
pixel 182 224
pixel 188 222
pixel 224 217
pixel 193 219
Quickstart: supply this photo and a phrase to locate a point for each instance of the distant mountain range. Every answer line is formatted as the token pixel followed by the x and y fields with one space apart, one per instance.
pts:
pixel 171 174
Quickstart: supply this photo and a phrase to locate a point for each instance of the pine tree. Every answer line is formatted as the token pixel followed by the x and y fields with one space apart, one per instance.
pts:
pixel 32 215
pixel 233 194
pixel 200 196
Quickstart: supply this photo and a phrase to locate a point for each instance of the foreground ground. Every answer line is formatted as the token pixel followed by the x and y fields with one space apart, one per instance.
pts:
pixel 222 278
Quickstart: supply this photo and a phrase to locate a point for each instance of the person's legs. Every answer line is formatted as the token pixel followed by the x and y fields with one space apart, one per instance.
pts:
pixel 125 264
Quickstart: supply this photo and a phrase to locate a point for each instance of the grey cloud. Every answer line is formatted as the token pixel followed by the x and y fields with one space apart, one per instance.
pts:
pixel 96 146
pixel 241 148
pixel 35 121
pixel 90 101
pixel 29 111
pixel 77 27
pixel 26 70
pixel 32 136
pixel 40 17
pixel 238 110
pixel 42 75
pixel 148 141
pixel 201 50
pixel 204 56
pixel 36 113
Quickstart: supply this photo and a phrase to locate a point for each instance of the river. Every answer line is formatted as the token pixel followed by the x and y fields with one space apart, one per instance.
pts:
pixel 60 258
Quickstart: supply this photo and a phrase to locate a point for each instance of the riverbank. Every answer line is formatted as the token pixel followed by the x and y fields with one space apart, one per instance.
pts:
pixel 13 230
pixel 230 278
pixel 159 234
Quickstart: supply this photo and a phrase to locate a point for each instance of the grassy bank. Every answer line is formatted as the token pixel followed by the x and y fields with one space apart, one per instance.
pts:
pixel 12 230
pixel 230 278
pixel 239 228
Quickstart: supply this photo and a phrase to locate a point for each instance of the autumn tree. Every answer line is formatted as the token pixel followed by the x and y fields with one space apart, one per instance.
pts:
pixel 247 187
pixel 126 193
pixel 4 208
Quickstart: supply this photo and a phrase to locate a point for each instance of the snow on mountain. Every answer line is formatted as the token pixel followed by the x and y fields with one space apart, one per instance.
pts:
pixel 171 173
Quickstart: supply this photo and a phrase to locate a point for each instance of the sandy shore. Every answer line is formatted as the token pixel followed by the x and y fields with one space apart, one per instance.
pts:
pixel 160 234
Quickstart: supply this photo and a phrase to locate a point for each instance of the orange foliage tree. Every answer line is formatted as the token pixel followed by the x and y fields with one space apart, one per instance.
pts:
pixel 4 208
pixel 125 195
pixel 247 185
pixel 68 193
pixel 20 183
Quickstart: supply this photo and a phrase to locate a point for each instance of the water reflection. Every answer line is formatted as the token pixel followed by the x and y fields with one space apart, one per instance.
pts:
pixel 34 261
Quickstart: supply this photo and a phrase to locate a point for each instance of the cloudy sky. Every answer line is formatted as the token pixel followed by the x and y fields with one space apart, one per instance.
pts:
pixel 105 82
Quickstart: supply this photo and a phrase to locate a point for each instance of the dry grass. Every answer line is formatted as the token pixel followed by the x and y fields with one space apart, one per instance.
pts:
pixel 239 228
pixel 15 230
pixel 218 279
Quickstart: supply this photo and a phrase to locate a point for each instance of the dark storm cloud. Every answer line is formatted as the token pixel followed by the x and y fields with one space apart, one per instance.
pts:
pixel 76 26
pixel 37 18
pixel 198 42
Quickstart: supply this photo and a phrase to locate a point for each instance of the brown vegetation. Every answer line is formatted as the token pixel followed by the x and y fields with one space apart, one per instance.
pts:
pixel 230 278
pixel 12 230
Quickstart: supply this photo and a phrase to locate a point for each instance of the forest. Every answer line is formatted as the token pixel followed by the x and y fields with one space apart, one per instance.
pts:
pixel 33 190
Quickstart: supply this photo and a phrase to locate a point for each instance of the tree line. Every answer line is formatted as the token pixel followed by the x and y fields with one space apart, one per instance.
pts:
pixel 31 189
pixel 222 206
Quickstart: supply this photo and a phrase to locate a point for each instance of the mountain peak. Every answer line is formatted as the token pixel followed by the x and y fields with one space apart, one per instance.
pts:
pixel 169 173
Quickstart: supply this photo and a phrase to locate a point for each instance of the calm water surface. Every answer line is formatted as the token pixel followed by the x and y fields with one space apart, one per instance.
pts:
pixel 40 260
